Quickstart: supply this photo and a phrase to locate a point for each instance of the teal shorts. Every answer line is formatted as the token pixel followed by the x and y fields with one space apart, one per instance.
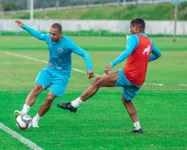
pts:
pixel 129 90
pixel 55 79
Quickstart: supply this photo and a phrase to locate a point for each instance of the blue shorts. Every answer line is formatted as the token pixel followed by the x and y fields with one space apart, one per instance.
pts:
pixel 129 90
pixel 55 79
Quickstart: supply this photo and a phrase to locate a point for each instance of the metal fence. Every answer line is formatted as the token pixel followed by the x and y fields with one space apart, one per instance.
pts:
pixel 20 6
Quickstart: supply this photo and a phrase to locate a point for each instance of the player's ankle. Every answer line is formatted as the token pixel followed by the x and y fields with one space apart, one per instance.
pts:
pixel 37 117
pixel 136 125
pixel 76 102
pixel 25 109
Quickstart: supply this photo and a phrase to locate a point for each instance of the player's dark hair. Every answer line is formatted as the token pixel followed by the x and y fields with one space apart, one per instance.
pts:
pixel 57 26
pixel 139 22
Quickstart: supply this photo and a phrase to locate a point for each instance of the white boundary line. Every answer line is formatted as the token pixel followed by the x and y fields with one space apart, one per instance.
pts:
pixel 154 84
pixel 182 84
pixel 78 70
pixel 43 61
pixel 74 69
pixel 20 138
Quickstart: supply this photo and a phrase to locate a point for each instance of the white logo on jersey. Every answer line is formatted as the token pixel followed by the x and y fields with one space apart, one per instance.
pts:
pixel 147 50
pixel 60 50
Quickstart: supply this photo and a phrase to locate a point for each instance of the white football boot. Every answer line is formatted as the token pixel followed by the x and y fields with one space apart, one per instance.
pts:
pixel 35 123
pixel 17 113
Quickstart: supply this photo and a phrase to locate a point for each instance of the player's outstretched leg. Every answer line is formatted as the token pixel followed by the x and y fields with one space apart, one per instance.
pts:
pixel 91 90
pixel 105 80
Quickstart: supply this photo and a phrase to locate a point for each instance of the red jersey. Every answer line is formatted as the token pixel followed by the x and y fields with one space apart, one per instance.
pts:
pixel 137 63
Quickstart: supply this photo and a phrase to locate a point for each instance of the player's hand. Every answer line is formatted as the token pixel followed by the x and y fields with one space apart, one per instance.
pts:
pixel 90 74
pixel 107 69
pixel 19 23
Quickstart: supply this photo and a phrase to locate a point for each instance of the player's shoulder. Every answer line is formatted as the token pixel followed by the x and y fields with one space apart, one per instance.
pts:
pixel 48 34
pixel 48 39
pixel 133 37
pixel 66 38
pixel 145 35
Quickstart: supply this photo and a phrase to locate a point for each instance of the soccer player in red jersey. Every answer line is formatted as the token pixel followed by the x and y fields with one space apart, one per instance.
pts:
pixel 139 51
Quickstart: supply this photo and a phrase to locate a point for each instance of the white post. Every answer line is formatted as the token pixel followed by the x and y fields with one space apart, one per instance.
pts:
pixel 57 4
pixel 119 10
pixel 31 9
pixel 175 21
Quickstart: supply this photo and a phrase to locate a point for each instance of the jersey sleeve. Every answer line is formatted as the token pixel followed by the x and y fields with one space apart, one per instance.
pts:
pixel 155 53
pixel 79 51
pixel 35 33
pixel 132 43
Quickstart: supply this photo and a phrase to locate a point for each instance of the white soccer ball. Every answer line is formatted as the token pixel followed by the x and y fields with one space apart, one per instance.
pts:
pixel 23 122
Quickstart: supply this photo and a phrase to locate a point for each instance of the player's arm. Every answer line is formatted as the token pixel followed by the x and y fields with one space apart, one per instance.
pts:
pixel 155 53
pixel 79 51
pixel 33 32
pixel 132 43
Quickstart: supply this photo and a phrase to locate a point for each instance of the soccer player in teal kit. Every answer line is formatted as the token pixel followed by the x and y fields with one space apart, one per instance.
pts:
pixel 57 73
pixel 139 51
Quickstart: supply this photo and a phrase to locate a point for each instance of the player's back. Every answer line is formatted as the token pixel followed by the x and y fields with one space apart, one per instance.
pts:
pixel 136 66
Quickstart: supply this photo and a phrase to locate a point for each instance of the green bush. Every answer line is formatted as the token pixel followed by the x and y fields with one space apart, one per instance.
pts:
pixel 87 33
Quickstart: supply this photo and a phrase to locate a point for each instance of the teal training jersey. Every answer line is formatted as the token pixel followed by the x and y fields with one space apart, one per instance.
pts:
pixel 60 52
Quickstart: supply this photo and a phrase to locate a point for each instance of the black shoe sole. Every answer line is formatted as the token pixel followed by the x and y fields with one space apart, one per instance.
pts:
pixel 137 131
pixel 72 110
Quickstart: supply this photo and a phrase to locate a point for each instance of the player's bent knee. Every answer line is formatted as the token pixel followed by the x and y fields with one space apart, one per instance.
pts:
pixel 125 101
pixel 38 87
pixel 50 98
pixel 48 101
pixel 98 81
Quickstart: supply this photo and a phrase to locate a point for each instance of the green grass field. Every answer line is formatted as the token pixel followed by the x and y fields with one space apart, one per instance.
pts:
pixel 102 122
